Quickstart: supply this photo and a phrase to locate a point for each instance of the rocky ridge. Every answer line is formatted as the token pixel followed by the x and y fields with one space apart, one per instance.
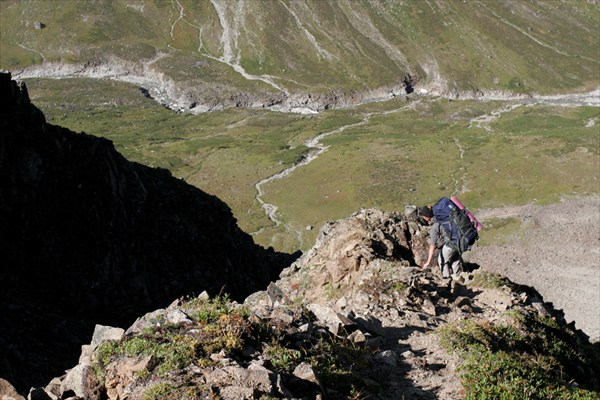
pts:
pixel 397 330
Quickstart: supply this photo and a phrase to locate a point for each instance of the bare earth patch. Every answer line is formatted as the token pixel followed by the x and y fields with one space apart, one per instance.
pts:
pixel 559 256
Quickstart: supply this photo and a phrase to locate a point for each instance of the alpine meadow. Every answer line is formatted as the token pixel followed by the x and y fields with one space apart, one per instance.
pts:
pixel 491 114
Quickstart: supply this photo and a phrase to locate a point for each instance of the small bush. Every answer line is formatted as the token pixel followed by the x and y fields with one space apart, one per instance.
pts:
pixel 528 360
pixel 282 358
pixel 210 310
pixel 489 280
pixel 463 335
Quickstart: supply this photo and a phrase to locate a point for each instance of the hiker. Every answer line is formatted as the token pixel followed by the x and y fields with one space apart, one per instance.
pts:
pixel 439 238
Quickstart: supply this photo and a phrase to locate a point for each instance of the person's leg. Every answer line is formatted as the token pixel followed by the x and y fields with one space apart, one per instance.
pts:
pixel 446 254
pixel 457 263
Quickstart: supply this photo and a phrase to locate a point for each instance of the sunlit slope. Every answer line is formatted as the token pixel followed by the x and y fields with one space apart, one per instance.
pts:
pixel 261 48
pixel 388 155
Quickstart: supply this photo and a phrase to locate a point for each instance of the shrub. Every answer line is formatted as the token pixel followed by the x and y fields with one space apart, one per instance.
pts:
pixel 528 360
pixel 489 280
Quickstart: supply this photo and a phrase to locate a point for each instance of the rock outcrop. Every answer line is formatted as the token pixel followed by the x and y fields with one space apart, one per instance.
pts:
pixel 88 237
pixel 352 318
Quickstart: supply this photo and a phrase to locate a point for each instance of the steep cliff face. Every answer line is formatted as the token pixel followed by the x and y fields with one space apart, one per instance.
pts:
pixel 88 237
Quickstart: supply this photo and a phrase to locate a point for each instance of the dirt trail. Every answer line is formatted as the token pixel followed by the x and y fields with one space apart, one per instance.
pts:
pixel 560 256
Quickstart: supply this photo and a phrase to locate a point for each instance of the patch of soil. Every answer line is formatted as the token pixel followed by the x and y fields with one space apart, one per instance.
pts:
pixel 560 256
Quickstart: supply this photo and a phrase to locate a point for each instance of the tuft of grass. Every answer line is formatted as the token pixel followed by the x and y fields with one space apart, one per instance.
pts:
pixel 378 285
pixel 463 335
pixel 335 359
pixel 502 231
pixel 490 280
pixel 212 310
pixel 173 350
pixel 282 358
pixel 528 360
pixel 218 326
pixel 332 290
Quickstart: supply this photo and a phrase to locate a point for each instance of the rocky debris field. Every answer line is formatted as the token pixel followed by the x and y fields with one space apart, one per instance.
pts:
pixel 557 251
pixel 352 318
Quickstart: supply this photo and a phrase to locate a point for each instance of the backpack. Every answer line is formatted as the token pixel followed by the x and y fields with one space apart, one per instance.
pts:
pixel 461 229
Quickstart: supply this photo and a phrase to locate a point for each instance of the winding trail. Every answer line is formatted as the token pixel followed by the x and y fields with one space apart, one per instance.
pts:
pixel 316 148
pixel 533 38
pixel 181 16
pixel 483 121
pixel 461 180
pixel 32 50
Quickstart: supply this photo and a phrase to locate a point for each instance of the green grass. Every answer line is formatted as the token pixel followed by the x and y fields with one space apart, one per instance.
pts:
pixel 406 153
pixel 490 280
pixel 329 48
pixel 402 155
pixel 219 326
pixel 502 231
pixel 527 359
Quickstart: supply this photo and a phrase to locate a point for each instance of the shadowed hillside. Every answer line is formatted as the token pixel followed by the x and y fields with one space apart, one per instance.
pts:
pixel 88 237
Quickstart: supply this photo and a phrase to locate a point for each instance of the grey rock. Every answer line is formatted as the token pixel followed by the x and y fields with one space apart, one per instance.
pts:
pixel 177 316
pixel 54 388
pixel 8 392
pixel 236 393
pixel 82 381
pixel 102 333
pixel 257 378
pixel 387 356
pixel 357 337
pixel 428 307
pixel 462 301
pixel 329 317
pixel 408 354
pixel 151 319
pixel 306 372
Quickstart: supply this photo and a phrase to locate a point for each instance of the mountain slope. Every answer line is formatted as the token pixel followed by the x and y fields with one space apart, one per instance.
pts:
pixel 88 237
pixel 352 319
pixel 213 54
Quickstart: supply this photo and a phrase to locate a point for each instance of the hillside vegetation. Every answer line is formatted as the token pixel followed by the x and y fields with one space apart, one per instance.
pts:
pixel 260 49
pixel 241 59
pixel 389 154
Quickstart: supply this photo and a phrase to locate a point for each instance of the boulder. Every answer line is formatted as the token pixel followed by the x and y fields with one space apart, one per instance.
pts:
pixel 8 392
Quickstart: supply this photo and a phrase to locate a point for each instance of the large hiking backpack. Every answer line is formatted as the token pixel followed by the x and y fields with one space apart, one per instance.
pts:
pixel 455 219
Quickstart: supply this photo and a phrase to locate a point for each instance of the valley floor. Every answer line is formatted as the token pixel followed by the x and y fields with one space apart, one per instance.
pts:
pixel 559 255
